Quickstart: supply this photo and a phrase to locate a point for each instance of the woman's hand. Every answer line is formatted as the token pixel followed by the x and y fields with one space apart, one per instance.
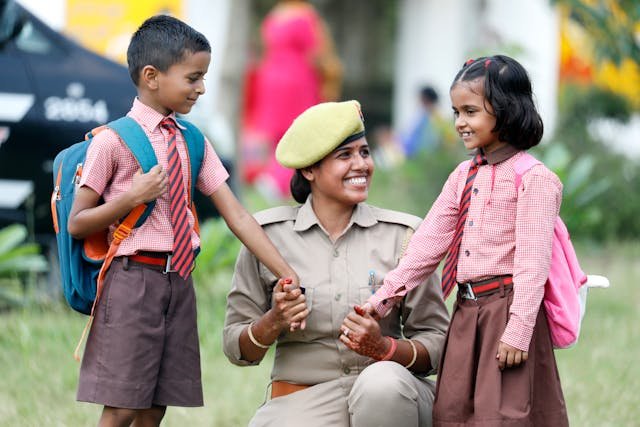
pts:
pixel 288 306
pixel 510 356
pixel 361 333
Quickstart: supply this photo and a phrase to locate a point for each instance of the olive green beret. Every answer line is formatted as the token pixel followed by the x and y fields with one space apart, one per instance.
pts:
pixel 318 131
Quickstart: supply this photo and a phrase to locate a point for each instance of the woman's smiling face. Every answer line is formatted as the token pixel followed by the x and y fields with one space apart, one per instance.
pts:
pixel 344 175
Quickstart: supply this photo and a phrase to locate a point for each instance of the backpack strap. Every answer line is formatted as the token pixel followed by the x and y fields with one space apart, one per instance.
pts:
pixel 136 140
pixel 121 233
pixel 522 166
pixel 195 148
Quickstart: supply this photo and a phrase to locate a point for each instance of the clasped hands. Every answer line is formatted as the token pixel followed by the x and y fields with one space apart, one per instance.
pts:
pixel 288 305
pixel 360 332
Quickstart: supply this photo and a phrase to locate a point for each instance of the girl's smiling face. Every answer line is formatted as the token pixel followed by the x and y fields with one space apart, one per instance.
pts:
pixel 474 118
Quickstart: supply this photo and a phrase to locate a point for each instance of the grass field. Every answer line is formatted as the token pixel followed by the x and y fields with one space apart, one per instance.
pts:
pixel 600 376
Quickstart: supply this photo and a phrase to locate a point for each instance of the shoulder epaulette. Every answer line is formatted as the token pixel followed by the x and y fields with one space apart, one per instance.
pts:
pixel 277 214
pixel 395 217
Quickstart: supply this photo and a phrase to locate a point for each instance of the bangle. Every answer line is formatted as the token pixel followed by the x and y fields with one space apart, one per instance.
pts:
pixel 392 349
pixel 415 354
pixel 253 339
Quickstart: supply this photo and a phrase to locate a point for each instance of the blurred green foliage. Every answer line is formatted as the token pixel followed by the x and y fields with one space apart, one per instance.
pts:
pixel 19 263
pixel 611 23
pixel 601 201
pixel 219 248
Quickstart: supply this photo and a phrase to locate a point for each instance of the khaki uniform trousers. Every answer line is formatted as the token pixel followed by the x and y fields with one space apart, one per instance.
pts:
pixel 384 394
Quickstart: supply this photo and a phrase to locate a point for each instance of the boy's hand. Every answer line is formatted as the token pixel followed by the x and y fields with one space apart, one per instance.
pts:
pixel 149 186
pixel 509 356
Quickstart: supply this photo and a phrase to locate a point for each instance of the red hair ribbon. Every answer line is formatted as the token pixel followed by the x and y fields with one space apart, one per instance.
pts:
pixel 486 63
pixel 469 61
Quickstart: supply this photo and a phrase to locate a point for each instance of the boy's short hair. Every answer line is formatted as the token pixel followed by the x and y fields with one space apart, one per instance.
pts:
pixel 508 89
pixel 162 41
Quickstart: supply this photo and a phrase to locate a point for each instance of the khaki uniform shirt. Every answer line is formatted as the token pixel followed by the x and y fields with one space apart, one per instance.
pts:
pixel 336 276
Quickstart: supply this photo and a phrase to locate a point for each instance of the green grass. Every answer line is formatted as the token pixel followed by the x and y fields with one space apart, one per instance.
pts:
pixel 39 376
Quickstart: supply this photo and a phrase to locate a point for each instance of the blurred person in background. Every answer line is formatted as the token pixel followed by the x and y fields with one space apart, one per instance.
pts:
pixel 343 368
pixel 427 132
pixel 298 69
pixel 423 134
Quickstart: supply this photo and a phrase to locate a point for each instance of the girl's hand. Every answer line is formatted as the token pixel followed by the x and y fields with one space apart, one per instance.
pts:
pixel 366 308
pixel 361 333
pixel 510 356
pixel 149 186
pixel 288 306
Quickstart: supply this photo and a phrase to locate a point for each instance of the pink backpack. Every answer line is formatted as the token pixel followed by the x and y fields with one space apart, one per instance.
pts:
pixel 564 293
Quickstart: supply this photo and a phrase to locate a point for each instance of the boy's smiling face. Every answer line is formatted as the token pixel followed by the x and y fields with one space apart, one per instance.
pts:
pixel 178 88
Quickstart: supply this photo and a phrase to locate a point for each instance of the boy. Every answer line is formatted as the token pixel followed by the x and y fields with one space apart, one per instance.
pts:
pixel 142 353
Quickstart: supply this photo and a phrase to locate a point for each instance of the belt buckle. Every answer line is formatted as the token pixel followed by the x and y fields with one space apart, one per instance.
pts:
pixel 467 292
pixel 167 265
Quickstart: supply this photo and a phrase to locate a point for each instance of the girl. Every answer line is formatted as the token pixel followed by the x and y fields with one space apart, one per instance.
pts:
pixel 498 365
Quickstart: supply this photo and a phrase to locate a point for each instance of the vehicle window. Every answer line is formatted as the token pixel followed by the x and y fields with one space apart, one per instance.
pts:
pixel 33 41
pixel 9 21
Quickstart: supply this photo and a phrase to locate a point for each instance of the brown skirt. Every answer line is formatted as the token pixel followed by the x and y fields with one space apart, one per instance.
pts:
pixel 471 389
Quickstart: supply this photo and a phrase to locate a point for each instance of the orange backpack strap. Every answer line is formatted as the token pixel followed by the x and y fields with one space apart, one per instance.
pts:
pixel 122 232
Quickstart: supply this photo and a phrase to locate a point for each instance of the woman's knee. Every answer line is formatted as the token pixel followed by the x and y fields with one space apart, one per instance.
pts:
pixel 383 380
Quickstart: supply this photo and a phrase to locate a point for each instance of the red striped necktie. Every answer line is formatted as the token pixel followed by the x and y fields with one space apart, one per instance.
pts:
pixel 450 270
pixel 182 257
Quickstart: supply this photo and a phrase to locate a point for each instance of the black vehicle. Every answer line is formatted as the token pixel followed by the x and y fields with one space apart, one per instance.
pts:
pixel 52 92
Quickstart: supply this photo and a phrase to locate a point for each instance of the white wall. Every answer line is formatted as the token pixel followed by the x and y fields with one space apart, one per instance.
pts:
pixel 534 25
pixel 52 12
pixel 212 18
pixel 435 37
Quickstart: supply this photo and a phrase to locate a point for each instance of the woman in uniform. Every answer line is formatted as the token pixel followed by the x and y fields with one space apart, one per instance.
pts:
pixel 333 366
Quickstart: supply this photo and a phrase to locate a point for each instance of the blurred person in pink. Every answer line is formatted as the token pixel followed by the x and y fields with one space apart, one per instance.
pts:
pixel 298 69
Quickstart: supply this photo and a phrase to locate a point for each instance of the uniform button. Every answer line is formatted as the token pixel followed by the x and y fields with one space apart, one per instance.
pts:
pixel 336 254
pixel 467 253
pixel 338 296
pixel 475 190
pixel 346 370
pixel 471 223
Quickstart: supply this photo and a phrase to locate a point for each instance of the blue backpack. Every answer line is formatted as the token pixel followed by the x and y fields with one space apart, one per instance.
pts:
pixel 83 263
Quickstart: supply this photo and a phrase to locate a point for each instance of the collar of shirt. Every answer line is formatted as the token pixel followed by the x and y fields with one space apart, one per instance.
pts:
pixel 306 217
pixel 148 117
pixel 499 155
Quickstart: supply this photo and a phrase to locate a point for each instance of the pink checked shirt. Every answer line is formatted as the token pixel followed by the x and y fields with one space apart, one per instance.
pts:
pixel 109 170
pixel 505 234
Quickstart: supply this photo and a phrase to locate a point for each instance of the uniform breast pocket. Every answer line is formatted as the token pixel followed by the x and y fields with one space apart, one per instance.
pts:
pixel 374 282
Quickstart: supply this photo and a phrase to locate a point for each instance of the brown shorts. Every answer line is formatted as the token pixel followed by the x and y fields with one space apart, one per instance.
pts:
pixel 472 390
pixel 143 347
